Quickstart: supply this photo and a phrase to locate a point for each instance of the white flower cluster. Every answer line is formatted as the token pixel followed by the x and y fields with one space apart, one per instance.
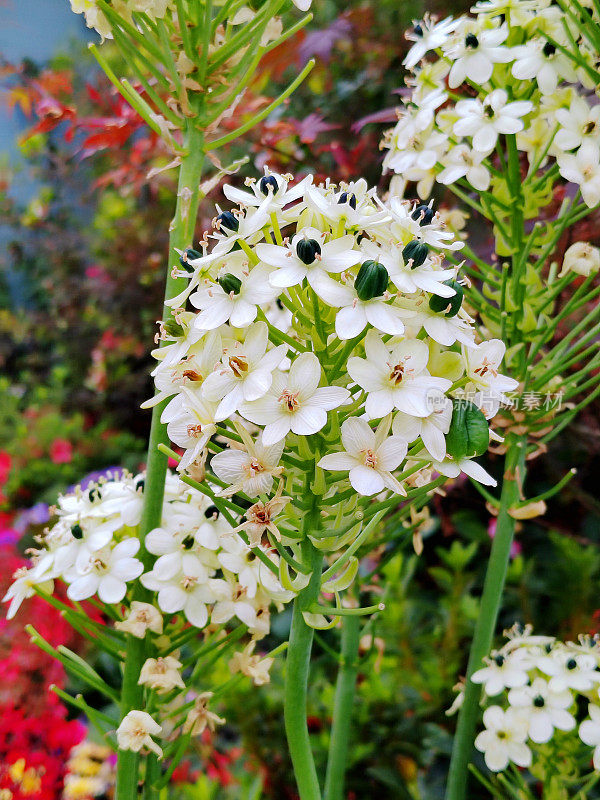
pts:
pixel 201 568
pixel 505 73
pixel 325 325
pixel 155 9
pixel 536 683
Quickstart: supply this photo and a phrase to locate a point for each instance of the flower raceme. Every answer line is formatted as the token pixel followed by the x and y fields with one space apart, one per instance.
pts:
pixel 332 315
pixel 508 71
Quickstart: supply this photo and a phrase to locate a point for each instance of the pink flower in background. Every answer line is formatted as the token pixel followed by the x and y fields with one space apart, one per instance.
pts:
pixel 61 451
pixel 515 549
pixel 5 465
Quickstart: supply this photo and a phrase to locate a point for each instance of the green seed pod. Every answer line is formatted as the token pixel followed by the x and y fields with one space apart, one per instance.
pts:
pixel 77 531
pixel 371 281
pixel 417 251
pixel 308 250
pixel 229 283
pixel 450 305
pixel 173 328
pixel 469 434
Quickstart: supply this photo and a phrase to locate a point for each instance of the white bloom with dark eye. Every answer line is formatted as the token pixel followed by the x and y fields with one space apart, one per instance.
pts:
pixel 187 591
pixel 483 121
pixel 369 456
pixel 106 573
pixel 237 305
pixel 295 402
pixel 589 732
pixel 408 280
pixel 443 329
pixel 463 162
pixel 246 372
pixel 396 377
pixel 543 709
pixel 475 53
pixel 136 731
pixel 250 470
pixel 541 60
pixel 409 223
pixel 355 314
pixel 308 256
pixel 427 34
pixel 237 557
pixel 271 193
pixel 413 149
pixel 502 672
pixel 578 124
pixel 175 549
pixel 503 739
pixel 352 203
pixel 568 670
pixel 583 168
pixel 431 429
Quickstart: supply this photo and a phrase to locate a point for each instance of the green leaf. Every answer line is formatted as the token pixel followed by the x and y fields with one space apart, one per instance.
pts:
pixel 469 434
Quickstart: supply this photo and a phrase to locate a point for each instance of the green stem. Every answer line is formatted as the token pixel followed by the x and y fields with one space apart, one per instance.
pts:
pixel 296 680
pixel 488 615
pixel 342 710
pixel 182 232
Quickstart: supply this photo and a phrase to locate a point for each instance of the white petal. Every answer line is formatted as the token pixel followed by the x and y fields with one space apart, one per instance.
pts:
pixel 366 480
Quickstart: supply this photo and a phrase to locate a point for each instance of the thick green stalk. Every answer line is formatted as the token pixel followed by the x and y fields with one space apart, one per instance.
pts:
pixel 486 622
pixel 342 709
pixel 182 231
pixel 296 680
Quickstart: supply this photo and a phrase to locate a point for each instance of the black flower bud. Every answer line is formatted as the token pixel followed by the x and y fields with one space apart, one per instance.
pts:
pixel 308 250
pixel 424 214
pixel 229 283
pixel 228 221
pixel 449 305
pixel 189 255
pixel 416 252
pixel 371 281
pixel 267 184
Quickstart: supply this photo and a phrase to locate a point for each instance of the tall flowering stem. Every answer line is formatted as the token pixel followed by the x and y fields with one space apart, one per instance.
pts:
pixel 500 113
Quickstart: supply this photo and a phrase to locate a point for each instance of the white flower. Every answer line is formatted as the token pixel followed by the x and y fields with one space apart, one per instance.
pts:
pixel 452 469
pixel 271 192
pixel 543 709
pixel 94 18
pixel 161 674
pixel 303 5
pixel 237 557
pixel 583 168
pixel 502 672
pixel 581 258
pixel 541 60
pixel 568 670
pixel 246 373
pixel 370 456
pixel 141 618
pixel 236 306
pixel 308 256
pixel 431 428
pixel 475 54
pixel 295 402
pixel 136 731
pixel 175 550
pixel 482 365
pixel 199 717
pixel 106 573
pixel 190 423
pixel 253 666
pixel 578 123
pixel 503 739
pixel 23 587
pixel 444 329
pixel 463 162
pixel 589 732
pixel 251 470
pixel 231 601
pixel 396 377
pixel 353 204
pixel 187 591
pixel 485 120
pixel 407 279
pixel 427 34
